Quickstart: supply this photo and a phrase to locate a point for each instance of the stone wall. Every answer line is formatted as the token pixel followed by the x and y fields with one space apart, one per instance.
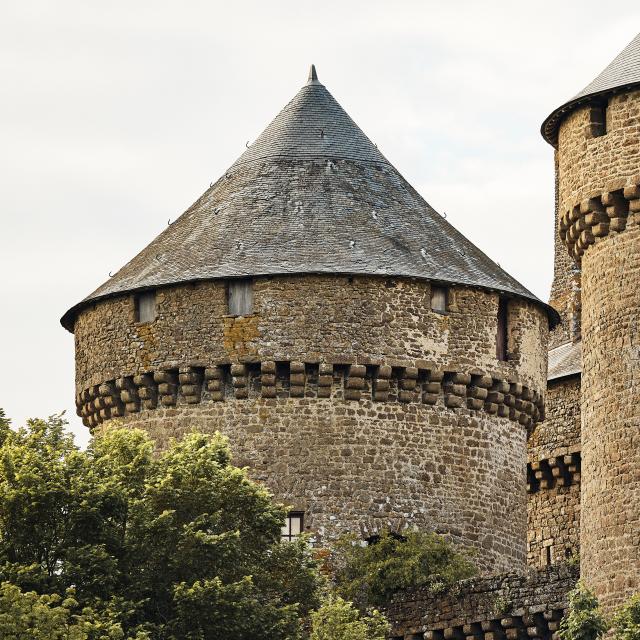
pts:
pixel 553 477
pixel 559 434
pixel 589 166
pixel 502 607
pixel 565 288
pixel 311 318
pixel 599 207
pixel 362 466
pixel 610 540
pixel 348 397
pixel 565 296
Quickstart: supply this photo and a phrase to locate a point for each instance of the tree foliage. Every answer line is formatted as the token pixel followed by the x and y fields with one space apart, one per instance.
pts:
pixel 51 617
pixel 370 575
pixel 176 545
pixel 584 620
pixel 340 620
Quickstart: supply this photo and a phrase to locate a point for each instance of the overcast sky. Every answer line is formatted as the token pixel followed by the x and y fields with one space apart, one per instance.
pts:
pixel 115 116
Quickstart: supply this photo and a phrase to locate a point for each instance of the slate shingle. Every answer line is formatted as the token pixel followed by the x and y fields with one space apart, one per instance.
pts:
pixel 312 195
pixel 623 71
pixel 565 360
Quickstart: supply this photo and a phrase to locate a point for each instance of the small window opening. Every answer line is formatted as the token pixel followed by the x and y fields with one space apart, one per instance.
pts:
pixel 292 527
pixel 240 297
pixel 146 306
pixel 598 119
pixel 501 338
pixel 439 297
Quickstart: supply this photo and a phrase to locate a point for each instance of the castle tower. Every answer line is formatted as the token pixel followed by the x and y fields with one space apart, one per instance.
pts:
pixel 597 136
pixel 369 364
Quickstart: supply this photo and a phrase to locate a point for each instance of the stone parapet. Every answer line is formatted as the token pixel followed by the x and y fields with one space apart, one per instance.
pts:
pixel 312 319
pixel 503 607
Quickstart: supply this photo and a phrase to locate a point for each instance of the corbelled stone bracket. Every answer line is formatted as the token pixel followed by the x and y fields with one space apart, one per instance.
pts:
pixel 557 471
pixel 594 218
pixel 473 391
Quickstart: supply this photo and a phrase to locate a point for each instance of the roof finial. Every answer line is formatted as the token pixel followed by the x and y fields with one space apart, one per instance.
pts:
pixel 313 76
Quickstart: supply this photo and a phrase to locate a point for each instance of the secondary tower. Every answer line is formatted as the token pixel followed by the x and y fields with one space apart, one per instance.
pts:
pixel 597 140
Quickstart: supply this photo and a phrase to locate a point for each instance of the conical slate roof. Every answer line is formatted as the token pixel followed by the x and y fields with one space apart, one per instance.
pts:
pixel 622 73
pixel 312 195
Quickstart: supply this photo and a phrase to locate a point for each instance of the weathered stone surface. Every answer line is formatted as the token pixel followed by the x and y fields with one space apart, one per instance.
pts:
pixel 509 605
pixel 326 318
pixel 598 178
pixel 347 397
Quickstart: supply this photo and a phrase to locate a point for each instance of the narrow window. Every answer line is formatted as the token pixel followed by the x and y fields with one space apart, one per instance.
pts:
pixel 292 527
pixel 240 297
pixel 597 120
pixel 146 306
pixel 501 338
pixel 439 299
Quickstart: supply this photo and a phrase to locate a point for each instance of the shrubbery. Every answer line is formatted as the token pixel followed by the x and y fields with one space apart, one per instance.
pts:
pixel 585 620
pixel 369 575
pixel 338 619
pixel 626 622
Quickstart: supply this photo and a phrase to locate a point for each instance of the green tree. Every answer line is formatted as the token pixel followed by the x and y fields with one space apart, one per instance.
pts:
pixel 50 617
pixel 29 615
pixel 584 619
pixel 626 622
pixel 370 574
pixel 337 619
pixel 175 545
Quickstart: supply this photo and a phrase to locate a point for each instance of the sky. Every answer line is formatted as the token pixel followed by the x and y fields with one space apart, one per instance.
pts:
pixel 115 116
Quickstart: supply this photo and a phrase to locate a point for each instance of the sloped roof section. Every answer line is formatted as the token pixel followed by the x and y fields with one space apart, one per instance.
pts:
pixel 312 126
pixel 565 360
pixel 312 195
pixel 622 73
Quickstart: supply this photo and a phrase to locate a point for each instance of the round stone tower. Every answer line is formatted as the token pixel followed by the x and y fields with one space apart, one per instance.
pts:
pixel 369 364
pixel 597 137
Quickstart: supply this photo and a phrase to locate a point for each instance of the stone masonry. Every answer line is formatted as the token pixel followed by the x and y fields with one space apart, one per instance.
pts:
pixel 505 607
pixel 386 373
pixel 347 396
pixel 599 205
pixel 553 478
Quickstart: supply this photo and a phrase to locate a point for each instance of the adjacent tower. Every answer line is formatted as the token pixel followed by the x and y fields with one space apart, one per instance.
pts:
pixel 597 137
pixel 369 364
